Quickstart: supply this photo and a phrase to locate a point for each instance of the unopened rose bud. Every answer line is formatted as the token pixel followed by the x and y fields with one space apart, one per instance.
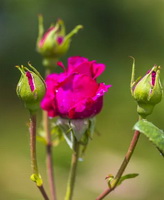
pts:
pixel 54 42
pixel 30 88
pixel 147 91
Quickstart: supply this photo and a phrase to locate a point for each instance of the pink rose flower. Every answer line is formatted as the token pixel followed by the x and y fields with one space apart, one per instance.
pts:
pixel 75 93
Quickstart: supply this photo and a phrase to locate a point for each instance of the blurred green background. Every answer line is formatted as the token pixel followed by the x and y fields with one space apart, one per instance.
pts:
pixel 113 30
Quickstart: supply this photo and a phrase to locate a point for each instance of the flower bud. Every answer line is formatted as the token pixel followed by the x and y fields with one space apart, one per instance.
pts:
pixel 54 43
pixel 30 88
pixel 147 91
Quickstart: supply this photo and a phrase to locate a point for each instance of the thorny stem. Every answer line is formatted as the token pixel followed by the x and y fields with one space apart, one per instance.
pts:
pixel 41 188
pixel 123 166
pixel 73 169
pixel 32 130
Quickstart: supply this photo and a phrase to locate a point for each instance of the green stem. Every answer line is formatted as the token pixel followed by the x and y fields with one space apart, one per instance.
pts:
pixel 32 130
pixel 122 167
pixel 73 169
pixel 49 63
pixel 35 176
pixel 43 192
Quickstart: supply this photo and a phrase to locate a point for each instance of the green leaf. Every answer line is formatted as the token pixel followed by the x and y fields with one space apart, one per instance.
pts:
pixel 153 133
pixel 112 181
pixel 127 176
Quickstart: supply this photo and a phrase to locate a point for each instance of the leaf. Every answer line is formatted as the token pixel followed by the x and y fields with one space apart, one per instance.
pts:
pixel 109 179
pixel 127 176
pixel 153 133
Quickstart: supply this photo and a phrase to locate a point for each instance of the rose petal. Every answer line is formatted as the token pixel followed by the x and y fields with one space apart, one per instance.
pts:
pixel 30 81
pixel 41 42
pixel 60 39
pixel 101 90
pixel 84 68
pixel 153 76
pixel 97 69
pixel 86 108
pixel 60 64
pixel 75 61
pixel 75 90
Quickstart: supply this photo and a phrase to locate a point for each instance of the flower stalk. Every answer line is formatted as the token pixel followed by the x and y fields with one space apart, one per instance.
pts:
pixel 35 176
pixel 49 153
pixel 73 170
pixel 49 156
pixel 123 166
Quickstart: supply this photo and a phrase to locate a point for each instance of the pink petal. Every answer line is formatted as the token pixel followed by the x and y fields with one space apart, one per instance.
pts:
pixel 74 90
pixel 153 76
pixel 30 81
pixel 83 68
pixel 97 69
pixel 59 40
pixel 86 108
pixel 101 90
pixel 41 42
pixel 74 61
pixel 60 64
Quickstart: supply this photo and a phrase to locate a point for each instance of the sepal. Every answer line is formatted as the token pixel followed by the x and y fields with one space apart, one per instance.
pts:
pixel 81 130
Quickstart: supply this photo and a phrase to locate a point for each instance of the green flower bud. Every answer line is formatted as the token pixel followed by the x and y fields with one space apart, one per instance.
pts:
pixel 54 43
pixel 30 88
pixel 147 91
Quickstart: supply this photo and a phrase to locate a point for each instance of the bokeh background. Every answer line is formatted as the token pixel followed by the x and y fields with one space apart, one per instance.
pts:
pixel 113 31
